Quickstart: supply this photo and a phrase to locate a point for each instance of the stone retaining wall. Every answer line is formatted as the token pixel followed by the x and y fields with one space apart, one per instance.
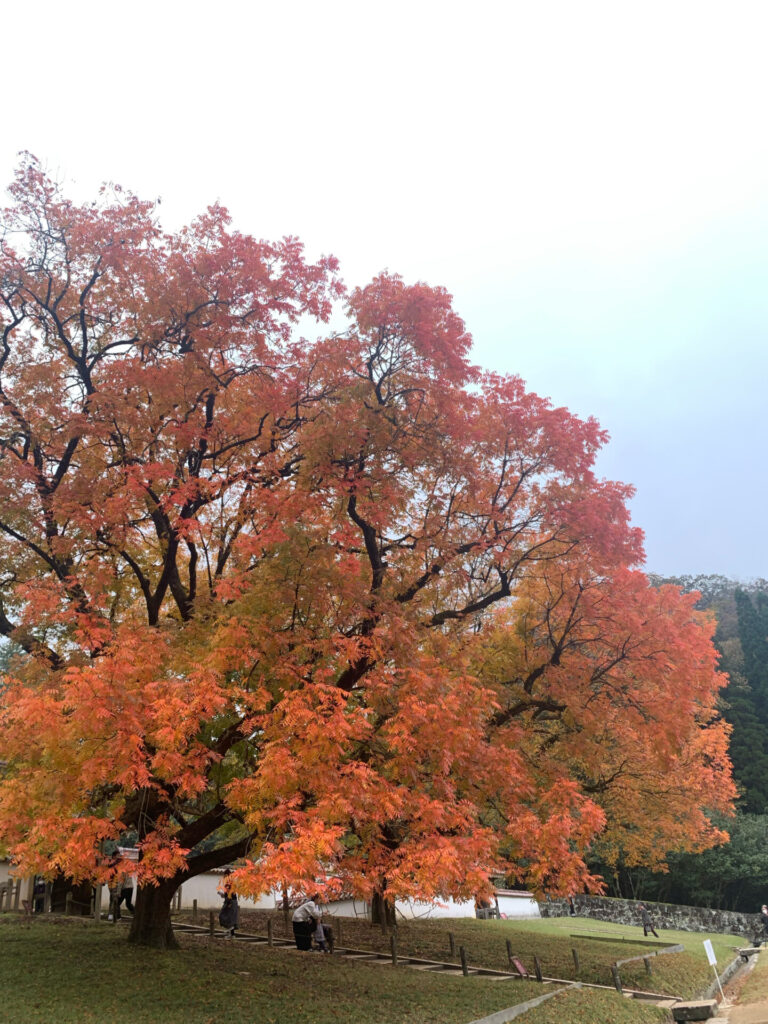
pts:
pixel 664 915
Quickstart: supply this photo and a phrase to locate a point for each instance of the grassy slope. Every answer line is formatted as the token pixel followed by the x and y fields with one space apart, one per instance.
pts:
pixel 73 973
pixel 550 939
pixel 755 989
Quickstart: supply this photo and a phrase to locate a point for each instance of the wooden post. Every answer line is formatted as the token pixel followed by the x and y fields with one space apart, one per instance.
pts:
pixel 537 969
pixel 194 911
pixel 269 931
pixel 509 952
pixel 47 898
pixel 463 957
pixel 452 943
pixel 647 962
pixel 393 948
pixel 616 977
pixel 575 959
pixel 97 903
pixel 68 904
pixel 29 902
pixel 17 894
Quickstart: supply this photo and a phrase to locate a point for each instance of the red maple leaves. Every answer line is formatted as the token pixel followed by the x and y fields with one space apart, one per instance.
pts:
pixel 255 582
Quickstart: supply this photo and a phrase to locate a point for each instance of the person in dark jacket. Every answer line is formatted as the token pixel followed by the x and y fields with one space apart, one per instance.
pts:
pixel 230 911
pixel 123 893
pixel 647 923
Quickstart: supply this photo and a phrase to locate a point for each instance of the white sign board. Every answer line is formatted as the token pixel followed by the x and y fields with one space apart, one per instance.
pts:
pixel 710 953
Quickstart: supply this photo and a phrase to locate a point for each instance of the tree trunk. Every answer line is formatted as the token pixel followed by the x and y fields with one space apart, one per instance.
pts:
pixel 382 911
pixel 286 909
pixel 152 918
pixel 151 925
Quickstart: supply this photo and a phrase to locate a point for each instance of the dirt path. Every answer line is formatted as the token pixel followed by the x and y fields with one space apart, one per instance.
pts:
pixel 744 1008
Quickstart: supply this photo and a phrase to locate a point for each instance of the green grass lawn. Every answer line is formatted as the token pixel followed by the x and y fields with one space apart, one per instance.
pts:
pixel 73 972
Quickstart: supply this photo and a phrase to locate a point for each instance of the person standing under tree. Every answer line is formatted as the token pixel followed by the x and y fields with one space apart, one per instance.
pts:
pixel 229 913
pixel 124 895
pixel 646 919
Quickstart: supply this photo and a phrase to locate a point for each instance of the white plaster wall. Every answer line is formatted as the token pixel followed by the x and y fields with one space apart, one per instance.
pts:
pixel 205 889
pixel 348 908
pixel 517 904
pixel 511 904
pixel 413 909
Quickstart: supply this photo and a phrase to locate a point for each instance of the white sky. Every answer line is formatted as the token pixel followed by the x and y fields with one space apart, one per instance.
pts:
pixel 589 180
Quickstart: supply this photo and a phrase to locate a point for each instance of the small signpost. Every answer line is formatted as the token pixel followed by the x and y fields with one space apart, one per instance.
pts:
pixel 519 966
pixel 713 963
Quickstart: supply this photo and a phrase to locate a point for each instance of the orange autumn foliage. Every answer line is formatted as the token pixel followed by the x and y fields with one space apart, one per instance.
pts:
pixel 613 684
pixel 293 602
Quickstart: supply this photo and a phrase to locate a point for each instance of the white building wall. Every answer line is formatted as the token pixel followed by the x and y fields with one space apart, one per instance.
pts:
pixel 514 904
pixel 205 889
pixel 416 910
pixel 349 908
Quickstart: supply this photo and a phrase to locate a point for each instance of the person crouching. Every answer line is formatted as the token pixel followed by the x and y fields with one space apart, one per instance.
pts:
pixel 306 919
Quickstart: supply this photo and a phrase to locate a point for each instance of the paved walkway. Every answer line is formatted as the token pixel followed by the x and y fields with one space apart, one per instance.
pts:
pixel 744 1013
pixel 752 1013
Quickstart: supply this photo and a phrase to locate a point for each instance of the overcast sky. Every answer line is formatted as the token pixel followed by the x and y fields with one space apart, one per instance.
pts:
pixel 589 180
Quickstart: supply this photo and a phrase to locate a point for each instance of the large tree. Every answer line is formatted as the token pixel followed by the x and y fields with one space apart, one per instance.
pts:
pixel 253 580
